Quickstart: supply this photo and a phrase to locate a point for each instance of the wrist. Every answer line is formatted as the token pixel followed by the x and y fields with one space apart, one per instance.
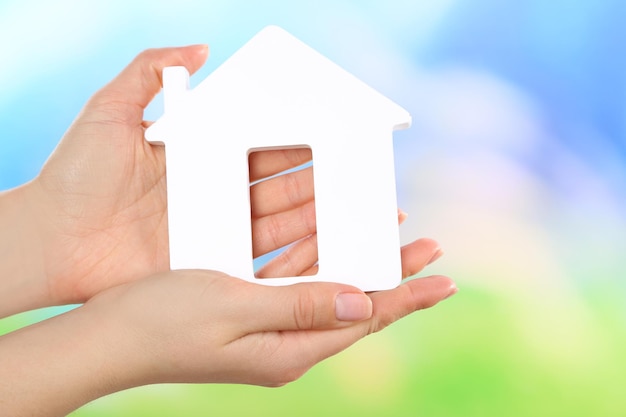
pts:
pixel 80 352
pixel 126 348
pixel 22 279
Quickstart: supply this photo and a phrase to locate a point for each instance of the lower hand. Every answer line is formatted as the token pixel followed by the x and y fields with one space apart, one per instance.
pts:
pixel 197 326
pixel 205 326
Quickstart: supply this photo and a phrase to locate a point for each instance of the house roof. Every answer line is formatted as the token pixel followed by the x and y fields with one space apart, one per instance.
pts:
pixel 276 72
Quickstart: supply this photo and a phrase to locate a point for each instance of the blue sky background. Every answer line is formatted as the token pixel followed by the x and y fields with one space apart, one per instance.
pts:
pixel 516 163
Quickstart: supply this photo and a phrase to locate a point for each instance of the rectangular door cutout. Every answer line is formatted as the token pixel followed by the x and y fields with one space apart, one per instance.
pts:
pixel 282 212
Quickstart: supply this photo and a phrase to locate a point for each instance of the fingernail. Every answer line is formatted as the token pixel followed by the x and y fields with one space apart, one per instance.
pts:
pixel 202 47
pixel 453 290
pixel 402 215
pixel 353 307
pixel 438 253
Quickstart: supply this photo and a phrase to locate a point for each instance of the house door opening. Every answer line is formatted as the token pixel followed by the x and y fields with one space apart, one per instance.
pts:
pixel 282 212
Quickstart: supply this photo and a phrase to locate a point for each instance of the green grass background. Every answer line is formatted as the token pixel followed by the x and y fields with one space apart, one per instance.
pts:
pixel 477 354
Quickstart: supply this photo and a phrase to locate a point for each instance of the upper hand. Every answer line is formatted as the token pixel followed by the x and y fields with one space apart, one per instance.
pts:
pixel 100 200
pixel 198 326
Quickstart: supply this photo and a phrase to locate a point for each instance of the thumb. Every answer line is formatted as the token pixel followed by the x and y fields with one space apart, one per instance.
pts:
pixel 140 81
pixel 305 306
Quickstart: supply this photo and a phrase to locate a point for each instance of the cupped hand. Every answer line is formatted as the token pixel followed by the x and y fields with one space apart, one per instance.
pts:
pixel 205 326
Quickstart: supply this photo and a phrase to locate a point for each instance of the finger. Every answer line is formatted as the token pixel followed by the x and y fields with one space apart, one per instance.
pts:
pixel 418 254
pixel 294 261
pixel 411 296
pixel 311 271
pixel 300 258
pixel 391 305
pixel 388 307
pixel 402 216
pixel 304 306
pixel 140 81
pixel 418 294
pixel 282 193
pixel 280 229
pixel 267 163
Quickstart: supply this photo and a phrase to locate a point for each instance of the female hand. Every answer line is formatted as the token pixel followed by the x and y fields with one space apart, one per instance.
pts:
pixel 197 326
pixel 96 215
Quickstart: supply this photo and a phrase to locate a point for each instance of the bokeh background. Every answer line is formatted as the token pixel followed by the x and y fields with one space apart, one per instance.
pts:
pixel 516 163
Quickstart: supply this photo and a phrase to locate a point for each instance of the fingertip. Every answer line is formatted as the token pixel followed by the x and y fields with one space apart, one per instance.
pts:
pixel 198 55
pixel 200 48
pixel 429 243
pixel 434 288
pixel 418 254
pixel 448 286
pixel 421 293
pixel 453 290
pixel 140 81
pixel 402 216
pixel 438 254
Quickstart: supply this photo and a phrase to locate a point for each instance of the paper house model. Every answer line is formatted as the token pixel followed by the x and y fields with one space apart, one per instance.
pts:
pixel 277 92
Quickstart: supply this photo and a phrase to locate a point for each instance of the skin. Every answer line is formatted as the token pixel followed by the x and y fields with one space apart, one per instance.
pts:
pixel 92 229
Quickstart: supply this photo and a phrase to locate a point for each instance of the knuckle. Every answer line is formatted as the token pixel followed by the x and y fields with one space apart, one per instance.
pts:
pixel 292 188
pixel 375 325
pixel 383 320
pixel 304 311
pixel 309 217
pixel 146 54
pixel 274 231
pixel 266 234
pixel 297 157
pixel 150 62
pixel 287 262
pixel 381 323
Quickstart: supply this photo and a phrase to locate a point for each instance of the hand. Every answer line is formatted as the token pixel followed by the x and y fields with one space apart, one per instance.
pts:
pixel 99 206
pixel 100 200
pixel 198 326
pixel 205 326
pixel 283 213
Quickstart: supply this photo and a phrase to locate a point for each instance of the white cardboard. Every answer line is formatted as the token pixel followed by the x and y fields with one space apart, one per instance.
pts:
pixel 276 92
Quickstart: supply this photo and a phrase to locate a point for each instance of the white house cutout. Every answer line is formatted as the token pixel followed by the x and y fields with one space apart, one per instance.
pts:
pixel 277 92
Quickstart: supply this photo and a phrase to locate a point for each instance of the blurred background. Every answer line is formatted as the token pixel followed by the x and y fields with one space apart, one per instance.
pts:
pixel 516 163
